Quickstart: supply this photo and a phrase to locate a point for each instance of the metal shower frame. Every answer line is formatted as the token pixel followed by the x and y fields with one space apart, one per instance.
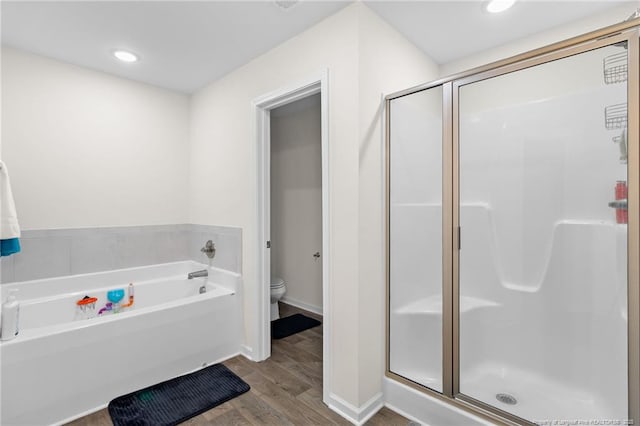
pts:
pixel 628 31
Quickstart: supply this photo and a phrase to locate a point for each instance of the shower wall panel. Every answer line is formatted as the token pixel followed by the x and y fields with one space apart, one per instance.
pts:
pixel 543 262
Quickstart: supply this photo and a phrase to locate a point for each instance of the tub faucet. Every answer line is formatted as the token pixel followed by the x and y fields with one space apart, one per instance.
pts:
pixel 197 274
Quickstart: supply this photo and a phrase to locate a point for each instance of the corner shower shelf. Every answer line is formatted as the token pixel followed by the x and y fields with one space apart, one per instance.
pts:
pixel 433 305
pixel 615 68
pixel 615 116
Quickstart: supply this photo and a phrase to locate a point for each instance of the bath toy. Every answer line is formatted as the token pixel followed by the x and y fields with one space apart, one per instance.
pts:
pixel 87 306
pixel 128 305
pixel 115 296
pixel 108 307
pixel 86 301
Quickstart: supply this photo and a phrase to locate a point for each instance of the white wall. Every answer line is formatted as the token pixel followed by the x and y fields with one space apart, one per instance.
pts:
pixel 365 58
pixel 296 201
pixel 88 149
pixel 595 22
pixel 223 167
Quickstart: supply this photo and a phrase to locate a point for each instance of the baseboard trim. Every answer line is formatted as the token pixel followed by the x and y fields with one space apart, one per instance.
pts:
pixel 356 415
pixel 78 416
pixel 302 305
pixel 371 407
pixel 247 352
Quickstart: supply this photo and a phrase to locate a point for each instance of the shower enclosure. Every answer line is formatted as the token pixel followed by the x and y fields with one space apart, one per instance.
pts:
pixel 512 235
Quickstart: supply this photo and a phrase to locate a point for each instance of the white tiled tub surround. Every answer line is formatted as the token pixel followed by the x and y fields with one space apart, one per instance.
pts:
pixel 58 252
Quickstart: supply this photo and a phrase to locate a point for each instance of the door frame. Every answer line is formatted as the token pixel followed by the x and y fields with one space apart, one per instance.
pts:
pixel 261 112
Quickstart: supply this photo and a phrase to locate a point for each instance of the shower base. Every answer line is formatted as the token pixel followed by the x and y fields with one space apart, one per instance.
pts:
pixel 540 399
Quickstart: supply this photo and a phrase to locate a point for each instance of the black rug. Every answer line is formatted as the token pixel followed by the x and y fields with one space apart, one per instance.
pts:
pixel 287 326
pixel 177 400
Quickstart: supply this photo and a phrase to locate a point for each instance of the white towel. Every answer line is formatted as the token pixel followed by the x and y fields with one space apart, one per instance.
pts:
pixel 9 227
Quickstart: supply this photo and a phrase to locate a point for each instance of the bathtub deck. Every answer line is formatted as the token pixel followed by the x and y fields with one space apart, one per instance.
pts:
pixel 285 389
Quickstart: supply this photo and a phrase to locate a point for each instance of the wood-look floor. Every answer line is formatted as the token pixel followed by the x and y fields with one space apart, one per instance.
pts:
pixel 286 389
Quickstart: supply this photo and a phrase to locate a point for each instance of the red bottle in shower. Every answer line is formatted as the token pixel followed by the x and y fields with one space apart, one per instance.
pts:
pixel 622 214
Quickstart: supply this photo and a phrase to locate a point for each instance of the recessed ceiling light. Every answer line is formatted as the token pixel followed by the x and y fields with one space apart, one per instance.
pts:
pixel 286 4
pixel 125 56
pixel 497 6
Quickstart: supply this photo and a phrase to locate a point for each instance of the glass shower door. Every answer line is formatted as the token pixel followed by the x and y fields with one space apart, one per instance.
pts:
pixel 543 260
pixel 415 237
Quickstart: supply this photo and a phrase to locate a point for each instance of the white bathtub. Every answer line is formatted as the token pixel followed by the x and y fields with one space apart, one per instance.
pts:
pixel 60 367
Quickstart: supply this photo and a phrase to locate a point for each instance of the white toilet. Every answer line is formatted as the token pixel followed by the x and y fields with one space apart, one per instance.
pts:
pixel 278 290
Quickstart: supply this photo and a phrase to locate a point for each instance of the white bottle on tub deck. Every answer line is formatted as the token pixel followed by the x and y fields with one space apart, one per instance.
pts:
pixel 10 317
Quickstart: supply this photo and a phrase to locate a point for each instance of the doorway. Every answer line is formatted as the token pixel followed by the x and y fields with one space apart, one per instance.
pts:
pixel 296 208
pixel 310 94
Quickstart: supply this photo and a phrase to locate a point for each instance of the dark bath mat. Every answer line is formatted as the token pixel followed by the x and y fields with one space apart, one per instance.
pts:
pixel 287 326
pixel 177 400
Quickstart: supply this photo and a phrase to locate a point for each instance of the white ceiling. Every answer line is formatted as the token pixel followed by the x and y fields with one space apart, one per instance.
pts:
pixel 450 30
pixel 184 45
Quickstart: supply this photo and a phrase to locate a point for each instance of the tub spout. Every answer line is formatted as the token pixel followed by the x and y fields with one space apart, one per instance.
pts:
pixel 196 274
